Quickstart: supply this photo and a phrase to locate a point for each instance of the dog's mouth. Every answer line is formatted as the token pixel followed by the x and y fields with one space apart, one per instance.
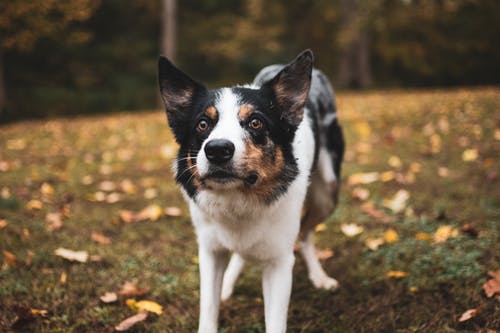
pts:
pixel 225 178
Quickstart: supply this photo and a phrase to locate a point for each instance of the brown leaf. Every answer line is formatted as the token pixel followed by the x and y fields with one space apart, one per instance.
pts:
pixel 492 286
pixel 173 211
pixel 130 289
pixel 100 238
pixel 109 297
pixel 131 321
pixel 3 223
pixel 324 254
pixel 127 216
pixel 54 221
pixel 63 278
pixel 10 258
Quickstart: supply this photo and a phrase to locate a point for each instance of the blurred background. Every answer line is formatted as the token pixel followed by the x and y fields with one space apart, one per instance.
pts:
pixel 90 56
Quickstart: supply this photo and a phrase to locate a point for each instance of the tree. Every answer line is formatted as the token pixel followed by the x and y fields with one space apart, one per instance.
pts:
pixel 168 28
pixel 23 23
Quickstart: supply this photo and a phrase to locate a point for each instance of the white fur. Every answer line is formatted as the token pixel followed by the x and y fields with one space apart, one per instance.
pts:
pixel 227 221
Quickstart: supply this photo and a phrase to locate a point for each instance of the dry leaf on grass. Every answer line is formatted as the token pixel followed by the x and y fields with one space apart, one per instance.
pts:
pixel 492 286
pixel 173 211
pixel 100 238
pixel 391 236
pixel 34 204
pixel 130 289
pixel 80 256
pixel 149 306
pixel 324 254
pixel 131 321
pixel 46 189
pixel 471 313
pixel 351 229
pixel 396 274
pixel 320 227
pixel 10 258
pixel 398 202
pixel 360 193
pixel 363 178
pixel 470 155
pixel 54 221
pixel 369 209
pixel 151 212
pixel 3 223
pixel 444 232
pixel 109 297
pixel 374 243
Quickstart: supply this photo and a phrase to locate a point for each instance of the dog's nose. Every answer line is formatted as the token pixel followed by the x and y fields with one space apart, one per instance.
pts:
pixel 219 151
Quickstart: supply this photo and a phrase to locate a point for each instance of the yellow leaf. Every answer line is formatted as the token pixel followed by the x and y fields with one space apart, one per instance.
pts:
pixel 363 128
pixel 396 274
pixel 435 142
pixel 391 236
pixel 151 212
pixel 387 176
pixel 470 155
pixel 413 289
pixel 360 193
pixel 395 162
pixel 398 202
pixel 444 232
pixel 320 227
pixel 34 204
pixel 46 189
pixel 80 256
pixel 39 312
pixel 423 236
pixel 149 306
pixel 195 260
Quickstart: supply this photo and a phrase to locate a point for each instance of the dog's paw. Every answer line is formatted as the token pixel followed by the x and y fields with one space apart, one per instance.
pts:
pixel 325 282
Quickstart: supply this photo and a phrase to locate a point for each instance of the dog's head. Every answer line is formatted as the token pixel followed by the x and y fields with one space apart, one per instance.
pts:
pixel 236 138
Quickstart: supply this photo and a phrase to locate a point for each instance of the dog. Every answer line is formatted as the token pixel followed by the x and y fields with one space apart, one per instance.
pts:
pixel 259 166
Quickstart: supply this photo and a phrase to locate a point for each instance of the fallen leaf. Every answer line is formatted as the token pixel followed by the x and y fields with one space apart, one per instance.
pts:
pixel 360 193
pixel 351 230
pixel 127 216
pixel 34 204
pixel 391 236
pixel 320 227
pixel 131 321
pixel 470 155
pixel 443 172
pixel 130 289
pixel 324 254
pixel 443 233
pixel 80 256
pixel 63 278
pixel 100 238
pixel 374 243
pixel 363 128
pixel 151 212
pixel 398 202
pixel 149 306
pixel 423 236
pixel 468 314
pixel 435 143
pixel 415 167
pixel 3 223
pixel 387 176
pixel 46 189
pixel 106 186
pixel 10 258
pixel 109 297
pixel 128 187
pixel 150 193
pixel 113 197
pixel 396 274
pixel 173 211
pixel 87 180
pixel 39 312
pixel 395 162
pixel 363 178
pixel 492 286
pixel 54 221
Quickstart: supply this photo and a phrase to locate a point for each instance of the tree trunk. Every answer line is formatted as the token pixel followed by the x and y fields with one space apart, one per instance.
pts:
pixel 3 94
pixel 168 28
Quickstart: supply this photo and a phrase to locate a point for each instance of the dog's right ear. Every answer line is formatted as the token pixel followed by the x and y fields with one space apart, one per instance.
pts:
pixel 178 92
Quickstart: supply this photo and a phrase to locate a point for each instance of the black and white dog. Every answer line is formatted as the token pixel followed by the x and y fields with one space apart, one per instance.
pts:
pixel 259 166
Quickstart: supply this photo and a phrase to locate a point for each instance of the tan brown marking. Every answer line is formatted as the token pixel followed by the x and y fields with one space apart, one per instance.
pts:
pixel 267 167
pixel 245 111
pixel 211 112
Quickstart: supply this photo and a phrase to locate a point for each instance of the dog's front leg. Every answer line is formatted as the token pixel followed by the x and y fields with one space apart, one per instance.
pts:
pixel 212 265
pixel 277 287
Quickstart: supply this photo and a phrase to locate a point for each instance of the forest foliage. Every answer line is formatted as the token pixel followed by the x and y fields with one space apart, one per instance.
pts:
pixel 91 56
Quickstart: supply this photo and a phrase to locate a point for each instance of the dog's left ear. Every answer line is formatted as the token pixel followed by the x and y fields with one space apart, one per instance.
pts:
pixel 178 92
pixel 291 87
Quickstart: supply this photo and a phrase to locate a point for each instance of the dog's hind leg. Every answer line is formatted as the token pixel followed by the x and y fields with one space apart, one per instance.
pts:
pixel 317 275
pixel 232 272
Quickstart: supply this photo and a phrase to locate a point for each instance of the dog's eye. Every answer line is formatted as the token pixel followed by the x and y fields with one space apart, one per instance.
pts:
pixel 255 124
pixel 202 126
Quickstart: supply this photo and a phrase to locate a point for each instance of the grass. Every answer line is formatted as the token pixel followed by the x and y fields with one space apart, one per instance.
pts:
pixel 427 130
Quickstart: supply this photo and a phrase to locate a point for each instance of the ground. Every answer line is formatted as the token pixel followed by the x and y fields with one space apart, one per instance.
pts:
pixel 421 177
